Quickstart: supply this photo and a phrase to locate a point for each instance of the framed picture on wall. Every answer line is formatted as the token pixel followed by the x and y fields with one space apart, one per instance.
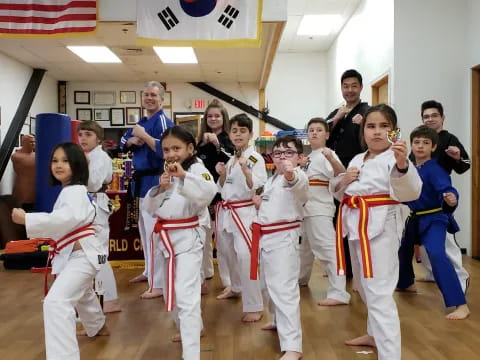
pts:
pixel 117 116
pixel 101 114
pixel 191 123
pixel 32 125
pixel 104 98
pixel 167 99
pixel 81 97
pixel 84 114
pixel 128 97
pixel 133 115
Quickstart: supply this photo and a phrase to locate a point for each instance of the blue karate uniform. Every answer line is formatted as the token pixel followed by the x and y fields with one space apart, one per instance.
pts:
pixel 148 164
pixel 429 220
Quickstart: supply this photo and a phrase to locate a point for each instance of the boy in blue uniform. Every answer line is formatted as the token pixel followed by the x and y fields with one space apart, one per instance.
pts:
pixel 430 218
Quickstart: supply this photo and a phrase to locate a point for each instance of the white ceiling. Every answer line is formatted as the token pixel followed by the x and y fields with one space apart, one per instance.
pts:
pixel 291 42
pixel 141 63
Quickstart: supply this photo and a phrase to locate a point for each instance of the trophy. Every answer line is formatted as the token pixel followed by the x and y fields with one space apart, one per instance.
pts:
pixel 166 165
pixel 394 135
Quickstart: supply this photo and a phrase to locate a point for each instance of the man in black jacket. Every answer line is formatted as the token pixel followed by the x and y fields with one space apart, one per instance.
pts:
pixel 345 121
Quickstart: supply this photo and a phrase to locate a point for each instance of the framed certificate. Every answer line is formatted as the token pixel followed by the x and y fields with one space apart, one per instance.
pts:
pixel 128 97
pixel 117 116
pixel 81 97
pixel 84 114
pixel 101 114
pixel 104 98
pixel 133 115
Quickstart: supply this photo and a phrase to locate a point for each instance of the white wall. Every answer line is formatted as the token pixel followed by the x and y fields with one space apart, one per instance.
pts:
pixel 430 63
pixel 365 44
pixel 296 90
pixel 14 78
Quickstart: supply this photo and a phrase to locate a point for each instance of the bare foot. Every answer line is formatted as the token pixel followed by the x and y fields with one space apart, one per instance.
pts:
pixel 228 293
pixel 291 355
pixel 111 306
pixel 138 278
pixel 460 313
pixel 102 332
pixel 269 326
pixel 252 316
pixel 365 340
pixel 204 290
pixel 178 338
pixel 155 293
pixel 331 302
pixel 411 289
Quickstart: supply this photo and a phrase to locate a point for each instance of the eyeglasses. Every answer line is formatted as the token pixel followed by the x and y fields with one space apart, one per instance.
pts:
pixel 431 116
pixel 288 153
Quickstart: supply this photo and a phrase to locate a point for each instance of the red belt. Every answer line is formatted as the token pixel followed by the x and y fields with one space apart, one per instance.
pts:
pixel 232 206
pixel 162 227
pixel 362 203
pixel 317 182
pixel 261 229
pixel 57 246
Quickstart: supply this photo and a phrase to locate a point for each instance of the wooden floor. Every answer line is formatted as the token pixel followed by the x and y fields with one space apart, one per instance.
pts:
pixel 143 329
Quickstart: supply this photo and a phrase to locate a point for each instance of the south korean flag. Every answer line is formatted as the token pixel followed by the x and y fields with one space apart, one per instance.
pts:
pixel 194 20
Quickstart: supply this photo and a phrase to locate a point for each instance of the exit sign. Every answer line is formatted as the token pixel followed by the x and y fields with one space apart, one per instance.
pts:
pixel 199 103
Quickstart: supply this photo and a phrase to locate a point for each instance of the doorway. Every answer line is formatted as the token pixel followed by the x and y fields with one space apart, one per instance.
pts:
pixel 380 91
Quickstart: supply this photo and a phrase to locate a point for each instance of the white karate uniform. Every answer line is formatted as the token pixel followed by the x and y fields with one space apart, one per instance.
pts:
pixel 207 257
pixel 75 271
pixel 318 231
pixel 283 201
pixel 100 173
pixel 454 254
pixel 230 243
pixel 378 175
pixel 186 198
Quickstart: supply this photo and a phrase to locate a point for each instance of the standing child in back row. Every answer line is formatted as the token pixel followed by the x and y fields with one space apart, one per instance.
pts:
pixel 90 136
pixel 370 192
pixel 430 219
pixel 275 236
pixel 243 174
pixel 318 231
pixel 77 254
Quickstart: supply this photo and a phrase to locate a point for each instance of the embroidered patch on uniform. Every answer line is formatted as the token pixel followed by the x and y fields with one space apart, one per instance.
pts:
pixel 207 176
pixel 229 180
pixel 253 159
pixel 102 259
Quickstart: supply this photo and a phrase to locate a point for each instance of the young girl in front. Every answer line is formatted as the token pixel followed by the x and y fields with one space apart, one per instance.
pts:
pixel 370 191
pixel 179 204
pixel 77 254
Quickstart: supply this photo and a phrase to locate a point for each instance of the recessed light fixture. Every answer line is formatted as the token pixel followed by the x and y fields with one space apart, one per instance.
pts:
pixel 95 54
pixel 318 24
pixel 176 55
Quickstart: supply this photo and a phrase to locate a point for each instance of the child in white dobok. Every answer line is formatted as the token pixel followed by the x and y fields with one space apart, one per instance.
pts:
pixel 370 191
pixel 243 174
pixel 179 205
pixel 90 136
pixel 76 255
pixel 275 237
pixel 318 231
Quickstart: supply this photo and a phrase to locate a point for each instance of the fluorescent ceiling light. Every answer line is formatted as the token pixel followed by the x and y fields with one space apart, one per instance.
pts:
pixel 95 54
pixel 318 24
pixel 176 55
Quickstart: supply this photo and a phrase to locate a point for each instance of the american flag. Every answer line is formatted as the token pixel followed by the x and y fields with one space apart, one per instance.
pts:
pixel 47 17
